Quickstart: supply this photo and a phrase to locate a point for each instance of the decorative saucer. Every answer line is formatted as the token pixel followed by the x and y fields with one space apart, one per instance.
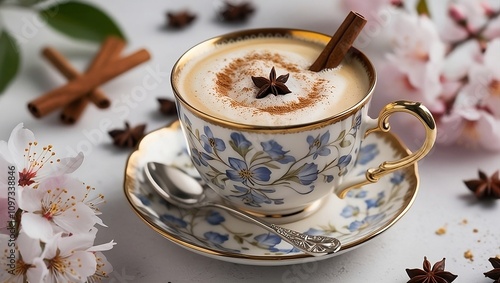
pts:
pixel 365 213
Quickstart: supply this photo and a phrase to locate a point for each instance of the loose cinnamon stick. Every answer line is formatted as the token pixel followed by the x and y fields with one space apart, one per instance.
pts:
pixel 68 71
pixel 109 51
pixel 341 41
pixel 81 85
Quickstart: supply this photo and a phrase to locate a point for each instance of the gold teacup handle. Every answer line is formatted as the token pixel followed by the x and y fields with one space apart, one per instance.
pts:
pixel 372 175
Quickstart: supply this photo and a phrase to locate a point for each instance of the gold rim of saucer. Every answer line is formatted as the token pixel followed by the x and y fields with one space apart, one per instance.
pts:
pixel 276 32
pixel 130 180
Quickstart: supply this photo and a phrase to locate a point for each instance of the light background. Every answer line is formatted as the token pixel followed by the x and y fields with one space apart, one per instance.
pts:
pixel 142 255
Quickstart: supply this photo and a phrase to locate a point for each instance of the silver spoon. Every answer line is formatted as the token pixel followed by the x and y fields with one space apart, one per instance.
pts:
pixel 182 190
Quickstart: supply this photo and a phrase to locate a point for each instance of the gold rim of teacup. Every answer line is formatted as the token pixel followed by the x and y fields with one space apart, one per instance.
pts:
pixel 306 35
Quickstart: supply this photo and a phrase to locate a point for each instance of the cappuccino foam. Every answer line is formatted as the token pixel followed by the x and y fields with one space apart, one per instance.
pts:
pixel 219 83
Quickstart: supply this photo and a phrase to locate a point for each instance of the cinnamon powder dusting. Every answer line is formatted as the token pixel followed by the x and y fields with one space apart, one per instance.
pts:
pixel 243 68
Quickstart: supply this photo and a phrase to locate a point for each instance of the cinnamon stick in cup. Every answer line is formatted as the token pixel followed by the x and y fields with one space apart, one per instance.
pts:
pixel 340 43
pixel 81 85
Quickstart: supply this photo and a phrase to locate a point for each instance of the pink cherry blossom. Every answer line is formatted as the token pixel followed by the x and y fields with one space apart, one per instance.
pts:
pixel 57 205
pixel 465 17
pixel 493 29
pixel 471 128
pixel 413 70
pixel 475 116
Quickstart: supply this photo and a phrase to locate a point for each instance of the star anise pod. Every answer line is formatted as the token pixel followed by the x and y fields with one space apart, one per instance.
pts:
pixel 495 272
pixel 236 12
pixel 272 85
pixel 167 106
pixel 128 137
pixel 430 275
pixel 485 187
pixel 179 19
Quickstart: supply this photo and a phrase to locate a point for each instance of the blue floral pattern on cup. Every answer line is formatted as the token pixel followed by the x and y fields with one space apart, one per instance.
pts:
pixel 256 173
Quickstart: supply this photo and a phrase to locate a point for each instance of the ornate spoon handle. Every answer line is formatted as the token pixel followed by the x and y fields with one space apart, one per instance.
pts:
pixel 312 245
pixel 315 245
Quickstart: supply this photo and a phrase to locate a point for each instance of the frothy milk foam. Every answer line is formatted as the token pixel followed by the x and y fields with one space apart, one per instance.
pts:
pixel 219 83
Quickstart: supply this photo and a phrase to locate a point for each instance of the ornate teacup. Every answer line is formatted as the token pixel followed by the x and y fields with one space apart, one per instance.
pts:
pixel 277 171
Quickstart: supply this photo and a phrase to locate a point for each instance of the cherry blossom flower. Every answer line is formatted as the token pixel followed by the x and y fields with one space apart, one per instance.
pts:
pixel 21 260
pixel 447 60
pixel 418 52
pixel 465 17
pixel 32 165
pixel 103 269
pixel 475 117
pixel 73 258
pixel 53 239
pixel 414 67
pixel 57 205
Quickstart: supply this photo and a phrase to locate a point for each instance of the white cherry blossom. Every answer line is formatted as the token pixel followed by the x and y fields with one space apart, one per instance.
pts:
pixel 103 269
pixel 57 205
pixel 32 162
pixel 21 260
pixel 72 258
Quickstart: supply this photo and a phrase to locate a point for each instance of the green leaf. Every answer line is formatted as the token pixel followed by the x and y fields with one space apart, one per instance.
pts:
pixel 9 59
pixel 81 21
pixel 273 166
pixel 422 8
pixel 345 143
pixel 341 136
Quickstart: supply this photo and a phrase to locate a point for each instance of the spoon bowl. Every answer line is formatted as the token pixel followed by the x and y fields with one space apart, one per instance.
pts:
pixel 182 190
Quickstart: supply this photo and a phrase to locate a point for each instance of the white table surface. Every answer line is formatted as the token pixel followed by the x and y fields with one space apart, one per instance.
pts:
pixel 141 254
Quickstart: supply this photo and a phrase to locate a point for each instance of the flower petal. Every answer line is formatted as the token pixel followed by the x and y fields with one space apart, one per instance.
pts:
pixel 83 264
pixel 19 140
pixel 37 227
pixel 103 247
pixel 37 271
pixel 30 199
pixel 69 164
pixel 28 247
pixel 489 132
pixel 79 219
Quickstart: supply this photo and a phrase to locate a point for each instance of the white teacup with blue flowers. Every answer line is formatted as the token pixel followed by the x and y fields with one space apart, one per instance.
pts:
pixel 284 153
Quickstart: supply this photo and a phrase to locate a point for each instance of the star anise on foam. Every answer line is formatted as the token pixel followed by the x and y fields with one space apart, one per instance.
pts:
pixel 485 187
pixel 430 275
pixel 179 19
pixel 128 137
pixel 272 85
pixel 167 106
pixel 236 12
pixel 495 272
